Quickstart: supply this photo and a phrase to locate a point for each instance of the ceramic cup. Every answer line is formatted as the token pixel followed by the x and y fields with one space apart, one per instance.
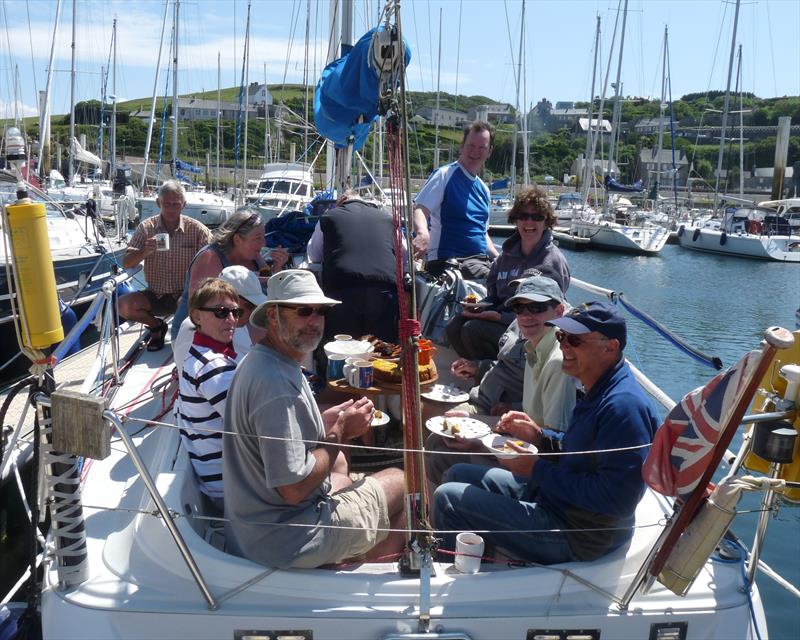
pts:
pixel 342 336
pixel 359 374
pixel 162 241
pixel 336 366
pixel 469 549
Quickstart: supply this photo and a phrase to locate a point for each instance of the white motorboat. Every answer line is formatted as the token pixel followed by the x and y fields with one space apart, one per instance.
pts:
pixel 282 187
pixel 644 238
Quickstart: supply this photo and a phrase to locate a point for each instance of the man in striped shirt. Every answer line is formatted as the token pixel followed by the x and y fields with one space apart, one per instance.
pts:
pixel 203 387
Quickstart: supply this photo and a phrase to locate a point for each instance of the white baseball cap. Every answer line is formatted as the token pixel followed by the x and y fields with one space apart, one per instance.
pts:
pixel 245 282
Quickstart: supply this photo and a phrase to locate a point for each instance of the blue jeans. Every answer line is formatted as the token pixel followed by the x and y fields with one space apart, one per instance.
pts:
pixel 475 498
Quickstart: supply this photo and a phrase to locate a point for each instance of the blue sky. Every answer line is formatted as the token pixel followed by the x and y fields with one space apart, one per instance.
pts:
pixel 478 58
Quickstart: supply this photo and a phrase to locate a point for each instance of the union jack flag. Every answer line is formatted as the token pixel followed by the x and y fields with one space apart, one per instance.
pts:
pixel 684 443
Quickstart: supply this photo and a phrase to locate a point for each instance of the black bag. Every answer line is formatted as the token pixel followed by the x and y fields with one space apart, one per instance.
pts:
pixel 440 302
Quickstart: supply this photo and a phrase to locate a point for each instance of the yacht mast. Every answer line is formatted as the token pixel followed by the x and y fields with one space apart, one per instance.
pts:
pixel 436 116
pixel 71 169
pixel 726 106
pixel 152 119
pixel 588 168
pixel 113 151
pixel 175 88
pixel 44 122
pixel 516 120
pixel 656 155
pixel 219 111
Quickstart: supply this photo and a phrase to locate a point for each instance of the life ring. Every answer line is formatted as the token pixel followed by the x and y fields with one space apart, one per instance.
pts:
pixel 755 226
pixel 681 229
pixel 696 235
pixel 723 238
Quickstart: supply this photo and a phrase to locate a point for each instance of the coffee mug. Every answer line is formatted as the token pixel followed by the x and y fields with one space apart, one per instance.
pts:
pixel 469 549
pixel 162 241
pixel 336 366
pixel 359 374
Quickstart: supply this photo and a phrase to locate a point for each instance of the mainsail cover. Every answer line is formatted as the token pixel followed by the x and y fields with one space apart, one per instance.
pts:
pixel 181 165
pixel 346 98
pixel 613 185
pixel 82 155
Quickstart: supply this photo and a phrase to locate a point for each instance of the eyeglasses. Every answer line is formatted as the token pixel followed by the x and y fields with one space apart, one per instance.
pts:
pixel 531 307
pixel 576 341
pixel 223 312
pixel 535 217
pixel 305 312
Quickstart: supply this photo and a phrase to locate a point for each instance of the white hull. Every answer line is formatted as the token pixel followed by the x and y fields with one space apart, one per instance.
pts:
pixel 741 244
pixel 645 240
pixel 138 584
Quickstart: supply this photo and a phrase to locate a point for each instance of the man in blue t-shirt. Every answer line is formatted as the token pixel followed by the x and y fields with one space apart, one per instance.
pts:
pixel 578 505
pixel 451 213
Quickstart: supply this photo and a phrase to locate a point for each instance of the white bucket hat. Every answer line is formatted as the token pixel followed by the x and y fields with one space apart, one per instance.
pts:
pixel 292 286
pixel 245 282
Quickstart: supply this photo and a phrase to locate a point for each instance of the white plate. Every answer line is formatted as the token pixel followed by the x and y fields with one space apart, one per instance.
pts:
pixel 377 422
pixel 476 306
pixel 445 393
pixel 468 428
pixel 348 348
pixel 495 442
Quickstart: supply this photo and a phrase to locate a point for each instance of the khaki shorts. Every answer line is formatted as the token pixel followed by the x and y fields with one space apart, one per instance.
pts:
pixel 362 508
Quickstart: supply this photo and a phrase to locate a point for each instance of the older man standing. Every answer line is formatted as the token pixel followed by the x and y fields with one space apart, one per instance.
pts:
pixel 288 495
pixel 451 213
pixel 577 506
pixel 164 269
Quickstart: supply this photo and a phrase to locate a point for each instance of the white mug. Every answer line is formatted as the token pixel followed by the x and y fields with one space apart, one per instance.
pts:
pixel 162 241
pixel 469 549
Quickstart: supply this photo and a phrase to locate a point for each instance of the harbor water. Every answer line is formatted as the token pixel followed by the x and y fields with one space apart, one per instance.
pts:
pixel 721 306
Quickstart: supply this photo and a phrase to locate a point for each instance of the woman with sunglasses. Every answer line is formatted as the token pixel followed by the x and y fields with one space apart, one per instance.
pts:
pixel 238 240
pixel 475 333
pixel 203 386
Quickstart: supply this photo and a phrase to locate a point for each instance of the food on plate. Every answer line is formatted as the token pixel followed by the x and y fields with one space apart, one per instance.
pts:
pixel 451 426
pixel 382 349
pixel 388 371
pixel 507 446
pixel 471 298
pixel 378 415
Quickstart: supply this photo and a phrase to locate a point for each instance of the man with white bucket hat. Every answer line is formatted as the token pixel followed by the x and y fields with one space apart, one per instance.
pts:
pixel 288 496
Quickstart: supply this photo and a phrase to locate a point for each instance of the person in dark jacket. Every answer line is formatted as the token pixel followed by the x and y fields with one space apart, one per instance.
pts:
pixel 354 243
pixel 474 333
pixel 579 505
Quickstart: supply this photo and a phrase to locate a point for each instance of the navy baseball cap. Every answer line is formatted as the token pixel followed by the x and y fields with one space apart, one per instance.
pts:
pixel 594 316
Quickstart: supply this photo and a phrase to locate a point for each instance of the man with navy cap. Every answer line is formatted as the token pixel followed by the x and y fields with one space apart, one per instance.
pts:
pixel 579 505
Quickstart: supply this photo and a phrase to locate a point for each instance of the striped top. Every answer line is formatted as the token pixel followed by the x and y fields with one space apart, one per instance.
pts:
pixel 203 389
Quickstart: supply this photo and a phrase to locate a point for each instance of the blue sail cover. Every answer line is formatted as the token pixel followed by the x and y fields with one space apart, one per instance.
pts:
pixel 346 98
pixel 180 165
pixel 500 184
pixel 613 185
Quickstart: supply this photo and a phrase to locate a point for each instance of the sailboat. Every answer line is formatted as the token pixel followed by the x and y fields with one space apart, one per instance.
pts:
pixel 133 550
pixel 209 208
pixel 743 230
pixel 616 229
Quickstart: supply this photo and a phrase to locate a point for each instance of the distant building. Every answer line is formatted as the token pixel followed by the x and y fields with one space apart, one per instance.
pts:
pixel 197 109
pixel 652 166
pixel 567 117
pixel 651 125
pixel 499 113
pixel 600 167
pixel 445 117
pixel 760 178
pixel 258 94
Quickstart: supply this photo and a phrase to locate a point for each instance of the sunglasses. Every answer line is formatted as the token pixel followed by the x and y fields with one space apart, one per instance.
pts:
pixel 575 341
pixel 305 312
pixel 531 307
pixel 252 219
pixel 223 312
pixel 535 217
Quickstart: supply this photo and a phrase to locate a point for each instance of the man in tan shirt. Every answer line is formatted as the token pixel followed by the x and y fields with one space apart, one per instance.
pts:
pixel 164 270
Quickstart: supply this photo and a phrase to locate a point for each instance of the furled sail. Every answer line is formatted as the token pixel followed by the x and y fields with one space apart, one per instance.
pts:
pixel 82 155
pixel 346 97
pixel 613 185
